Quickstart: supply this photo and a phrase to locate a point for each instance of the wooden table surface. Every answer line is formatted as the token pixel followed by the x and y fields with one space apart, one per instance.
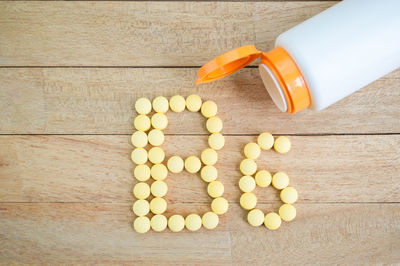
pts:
pixel 70 73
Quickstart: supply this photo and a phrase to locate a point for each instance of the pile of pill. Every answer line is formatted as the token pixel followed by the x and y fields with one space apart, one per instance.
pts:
pixel 158 171
pixel 263 178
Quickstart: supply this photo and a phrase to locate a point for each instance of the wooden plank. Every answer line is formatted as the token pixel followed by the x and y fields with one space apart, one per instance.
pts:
pixel 98 168
pixel 100 101
pixel 139 33
pixel 102 233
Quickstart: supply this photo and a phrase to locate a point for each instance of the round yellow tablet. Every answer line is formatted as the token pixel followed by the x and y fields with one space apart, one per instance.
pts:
pixel 142 172
pixel 175 164
pixel 176 223
pixel 252 150
pixel 208 109
pixel 192 164
pixel 193 222
pixel 156 155
pixel 289 195
pixel 263 178
pixel 209 156
pixel 214 124
pixel 142 123
pixel 139 139
pixel 139 156
pixel 141 207
pixel 143 106
pixel 265 141
pixel 209 173
pixel 158 205
pixel 219 205
pixel 272 221
pixel 248 167
pixel 210 220
pixel 248 201
pixel 255 217
pixel 282 145
pixel 247 183
pixel 159 172
pixel 216 141
pixel 159 188
pixel 193 103
pixel 141 224
pixel 158 222
pixel 159 121
pixel 215 189
pixel 177 103
pixel 287 212
pixel 141 190
pixel 280 180
pixel 160 104
pixel 156 137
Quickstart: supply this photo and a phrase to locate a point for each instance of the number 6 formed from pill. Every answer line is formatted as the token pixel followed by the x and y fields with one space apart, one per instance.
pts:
pixel 175 164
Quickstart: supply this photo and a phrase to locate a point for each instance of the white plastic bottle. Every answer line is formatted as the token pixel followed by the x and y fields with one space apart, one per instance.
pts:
pixel 325 58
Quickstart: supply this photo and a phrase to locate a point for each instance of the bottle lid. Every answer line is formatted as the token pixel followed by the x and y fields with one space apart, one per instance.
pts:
pixel 227 63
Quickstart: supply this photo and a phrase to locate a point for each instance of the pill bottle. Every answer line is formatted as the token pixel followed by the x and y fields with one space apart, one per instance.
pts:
pixel 323 59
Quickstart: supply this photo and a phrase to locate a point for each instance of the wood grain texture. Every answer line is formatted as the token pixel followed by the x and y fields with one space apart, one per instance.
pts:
pixel 102 233
pixel 100 101
pixel 98 168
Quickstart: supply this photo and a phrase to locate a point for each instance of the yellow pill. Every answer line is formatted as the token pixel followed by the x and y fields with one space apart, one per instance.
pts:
pixel 209 173
pixel 177 103
pixel 192 164
pixel 208 109
pixel 287 212
pixel 248 201
pixel 282 145
pixel 214 124
pixel 141 190
pixel 272 221
pixel 175 164
pixel 141 207
pixel 255 217
pixel 216 141
pixel 158 222
pixel 142 172
pixel 280 180
pixel 159 188
pixel 143 106
pixel 141 224
pixel 247 183
pixel 248 167
pixel 215 189
pixel 210 220
pixel 252 150
pixel 265 141
pixel 139 156
pixel 142 123
pixel 263 178
pixel 289 195
pixel 176 223
pixel 159 172
pixel 156 155
pixel 139 139
pixel 156 137
pixel 209 156
pixel 193 103
pixel 160 104
pixel 159 121
pixel 193 222
pixel 158 205
pixel 219 205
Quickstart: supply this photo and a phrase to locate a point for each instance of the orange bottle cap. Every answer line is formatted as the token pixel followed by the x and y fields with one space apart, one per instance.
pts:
pixel 227 63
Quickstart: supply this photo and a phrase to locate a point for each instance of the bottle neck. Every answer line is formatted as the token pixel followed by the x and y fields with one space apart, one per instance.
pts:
pixel 283 81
